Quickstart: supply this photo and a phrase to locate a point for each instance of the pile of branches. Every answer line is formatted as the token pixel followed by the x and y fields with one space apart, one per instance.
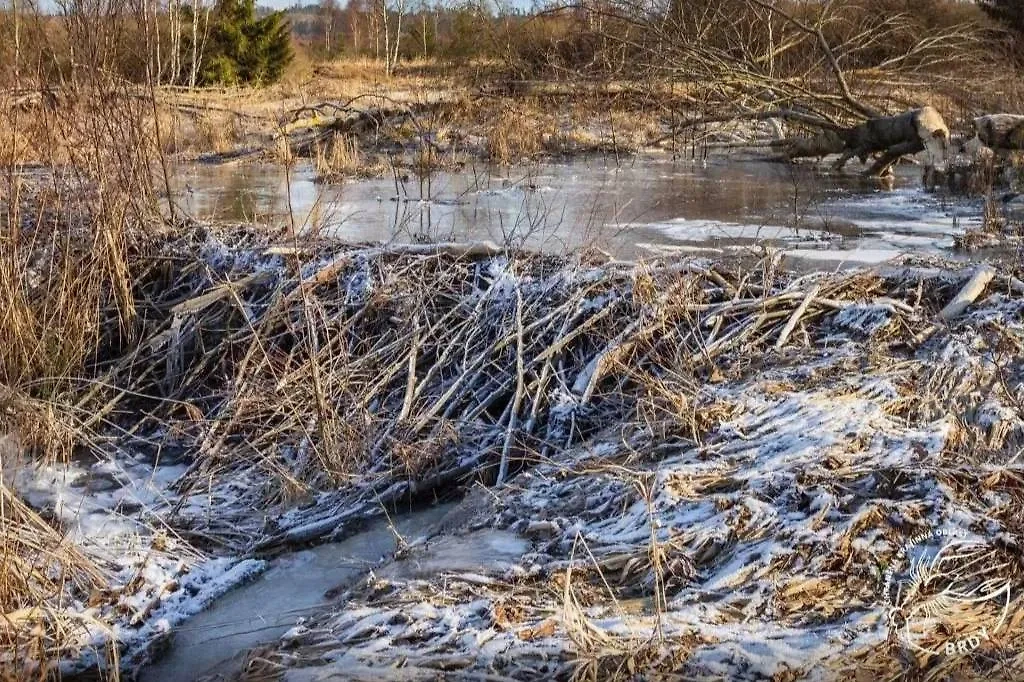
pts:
pixel 352 377
pixel 856 509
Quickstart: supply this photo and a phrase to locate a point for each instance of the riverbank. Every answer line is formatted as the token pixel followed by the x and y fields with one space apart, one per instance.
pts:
pixel 684 453
pixel 352 121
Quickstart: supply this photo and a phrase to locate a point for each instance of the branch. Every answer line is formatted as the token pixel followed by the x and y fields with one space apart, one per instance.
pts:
pixel 864 109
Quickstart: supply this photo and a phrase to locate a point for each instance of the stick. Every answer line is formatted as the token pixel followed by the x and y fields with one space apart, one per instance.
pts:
pixel 503 467
pixel 410 386
pixel 968 294
pixel 795 317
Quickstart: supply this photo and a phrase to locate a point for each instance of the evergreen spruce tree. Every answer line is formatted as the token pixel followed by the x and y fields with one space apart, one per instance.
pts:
pixel 1010 13
pixel 243 48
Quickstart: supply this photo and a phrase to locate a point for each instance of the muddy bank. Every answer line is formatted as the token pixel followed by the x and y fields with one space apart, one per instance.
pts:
pixel 715 445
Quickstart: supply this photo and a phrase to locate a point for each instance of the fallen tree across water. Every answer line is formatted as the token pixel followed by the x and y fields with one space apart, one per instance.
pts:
pixel 892 137
pixel 832 107
pixel 885 139
pixel 989 159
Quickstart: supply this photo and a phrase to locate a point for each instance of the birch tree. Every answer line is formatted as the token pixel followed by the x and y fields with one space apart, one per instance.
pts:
pixel 391 42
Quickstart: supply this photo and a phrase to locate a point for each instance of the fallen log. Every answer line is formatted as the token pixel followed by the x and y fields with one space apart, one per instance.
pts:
pixel 308 125
pixel 26 100
pixel 890 137
pixel 968 294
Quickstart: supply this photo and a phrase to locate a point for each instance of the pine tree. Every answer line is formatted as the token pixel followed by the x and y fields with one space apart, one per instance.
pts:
pixel 243 48
pixel 1009 12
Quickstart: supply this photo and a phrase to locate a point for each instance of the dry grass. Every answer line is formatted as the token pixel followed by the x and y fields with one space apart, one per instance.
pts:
pixel 340 157
pixel 217 132
pixel 40 573
pixel 516 134
pixel 64 240
pixel 66 230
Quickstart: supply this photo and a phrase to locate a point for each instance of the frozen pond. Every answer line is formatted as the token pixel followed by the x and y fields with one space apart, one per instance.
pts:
pixel 644 205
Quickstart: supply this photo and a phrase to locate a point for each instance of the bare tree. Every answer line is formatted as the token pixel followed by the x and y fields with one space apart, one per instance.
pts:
pixel 400 12
pixel 387 36
pixel 391 41
pixel 17 42
pixel 193 73
pixel 423 25
pixel 353 19
pixel 328 16
pixel 174 29
pixel 836 72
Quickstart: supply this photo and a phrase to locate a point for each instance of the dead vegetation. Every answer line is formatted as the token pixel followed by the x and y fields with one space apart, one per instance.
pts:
pixel 307 384
pixel 758 541
pixel 42 576
pixel 340 157
pixel 284 371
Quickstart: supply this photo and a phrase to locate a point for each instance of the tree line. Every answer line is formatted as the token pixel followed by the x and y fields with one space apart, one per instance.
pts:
pixel 199 42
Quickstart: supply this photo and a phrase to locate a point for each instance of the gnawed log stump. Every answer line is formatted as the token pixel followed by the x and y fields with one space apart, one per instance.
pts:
pixel 991 158
pixel 1000 131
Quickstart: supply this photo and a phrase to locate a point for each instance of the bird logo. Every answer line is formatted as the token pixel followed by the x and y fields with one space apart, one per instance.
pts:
pixel 952 595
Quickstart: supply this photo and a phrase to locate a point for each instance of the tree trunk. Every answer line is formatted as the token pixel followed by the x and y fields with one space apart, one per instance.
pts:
pixel 158 61
pixel 194 68
pixel 174 21
pixel 398 34
pixel 824 143
pixel 387 37
pixel 17 43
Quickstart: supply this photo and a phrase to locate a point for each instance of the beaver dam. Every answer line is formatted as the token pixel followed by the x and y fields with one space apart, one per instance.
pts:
pixel 667 469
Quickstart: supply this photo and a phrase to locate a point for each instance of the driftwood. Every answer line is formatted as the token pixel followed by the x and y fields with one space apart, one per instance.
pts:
pixel 968 294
